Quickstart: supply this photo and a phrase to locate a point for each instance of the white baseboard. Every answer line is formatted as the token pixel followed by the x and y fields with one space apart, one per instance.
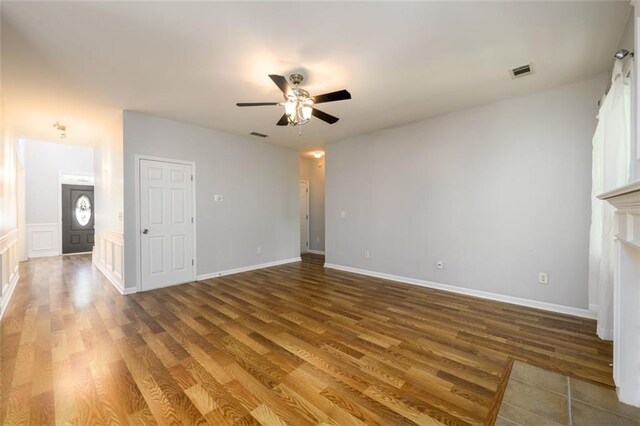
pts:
pixel 113 280
pixel 48 254
pixel 605 334
pixel 316 252
pixel 562 309
pixel 5 300
pixel 75 254
pixel 247 268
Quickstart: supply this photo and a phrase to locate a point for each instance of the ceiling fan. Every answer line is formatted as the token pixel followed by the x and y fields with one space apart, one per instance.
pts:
pixel 298 103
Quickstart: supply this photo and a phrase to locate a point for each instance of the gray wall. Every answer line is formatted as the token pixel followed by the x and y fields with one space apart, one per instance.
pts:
pixel 259 183
pixel 498 192
pixel 312 169
pixel 43 163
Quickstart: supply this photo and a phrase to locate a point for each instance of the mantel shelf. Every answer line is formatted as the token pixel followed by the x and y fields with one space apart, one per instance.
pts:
pixel 623 190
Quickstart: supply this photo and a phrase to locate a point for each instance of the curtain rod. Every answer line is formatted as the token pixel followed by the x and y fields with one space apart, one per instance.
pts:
pixel 622 53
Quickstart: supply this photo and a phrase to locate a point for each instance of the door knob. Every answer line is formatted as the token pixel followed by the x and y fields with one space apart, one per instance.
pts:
pixel 145 231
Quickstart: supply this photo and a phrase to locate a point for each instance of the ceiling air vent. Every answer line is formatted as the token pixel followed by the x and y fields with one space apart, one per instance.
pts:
pixel 520 71
pixel 260 135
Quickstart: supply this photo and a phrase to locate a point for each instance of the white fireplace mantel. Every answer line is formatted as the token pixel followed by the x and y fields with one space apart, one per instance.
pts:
pixel 626 298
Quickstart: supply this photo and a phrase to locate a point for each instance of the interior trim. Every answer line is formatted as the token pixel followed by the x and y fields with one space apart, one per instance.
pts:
pixel 7 298
pixel 9 269
pixel 247 268
pixel 113 280
pixel 545 306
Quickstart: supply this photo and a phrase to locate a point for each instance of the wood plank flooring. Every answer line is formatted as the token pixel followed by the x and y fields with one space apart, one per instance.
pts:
pixel 294 344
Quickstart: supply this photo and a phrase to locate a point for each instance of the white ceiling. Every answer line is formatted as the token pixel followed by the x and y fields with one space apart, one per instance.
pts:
pixel 81 62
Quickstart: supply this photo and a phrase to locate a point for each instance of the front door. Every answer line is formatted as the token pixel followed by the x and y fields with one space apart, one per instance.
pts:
pixel 77 219
pixel 166 223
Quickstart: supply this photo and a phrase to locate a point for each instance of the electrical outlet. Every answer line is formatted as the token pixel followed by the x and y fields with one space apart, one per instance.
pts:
pixel 543 278
pixel 440 264
pixel 366 254
pixel 259 250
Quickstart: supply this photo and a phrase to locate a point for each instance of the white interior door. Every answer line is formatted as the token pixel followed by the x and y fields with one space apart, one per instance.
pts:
pixel 304 216
pixel 166 224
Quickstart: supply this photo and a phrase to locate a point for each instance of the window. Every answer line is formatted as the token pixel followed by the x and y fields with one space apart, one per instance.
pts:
pixel 83 210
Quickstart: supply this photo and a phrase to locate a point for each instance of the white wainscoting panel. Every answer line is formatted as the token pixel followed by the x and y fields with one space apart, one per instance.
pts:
pixel 9 271
pixel 43 239
pixel 108 257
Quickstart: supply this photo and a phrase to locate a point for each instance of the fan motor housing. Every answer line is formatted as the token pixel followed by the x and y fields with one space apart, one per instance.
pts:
pixel 296 78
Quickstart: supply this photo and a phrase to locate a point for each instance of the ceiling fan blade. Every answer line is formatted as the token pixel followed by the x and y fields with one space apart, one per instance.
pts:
pixel 282 84
pixel 246 104
pixel 324 116
pixel 340 95
pixel 284 121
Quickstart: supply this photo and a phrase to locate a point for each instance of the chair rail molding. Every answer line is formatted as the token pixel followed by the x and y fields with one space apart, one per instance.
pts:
pixel 108 257
pixel 9 270
pixel 626 292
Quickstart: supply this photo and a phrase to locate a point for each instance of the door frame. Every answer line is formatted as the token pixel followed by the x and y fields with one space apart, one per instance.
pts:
pixel 61 174
pixel 138 158
pixel 308 215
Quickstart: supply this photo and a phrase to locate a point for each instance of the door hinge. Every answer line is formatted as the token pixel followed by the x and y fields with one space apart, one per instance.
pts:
pixel 191 178
pixel 307 190
pixel 307 243
pixel 307 217
pixel 193 262
pixel 191 220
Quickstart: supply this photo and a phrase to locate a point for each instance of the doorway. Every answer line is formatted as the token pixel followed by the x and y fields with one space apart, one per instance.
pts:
pixel 304 216
pixel 47 225
pixel 77 219
pixel 166 223
pixel 312 188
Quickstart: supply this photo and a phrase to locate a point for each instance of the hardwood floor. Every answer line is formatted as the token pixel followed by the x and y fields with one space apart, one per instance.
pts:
pixel 292 344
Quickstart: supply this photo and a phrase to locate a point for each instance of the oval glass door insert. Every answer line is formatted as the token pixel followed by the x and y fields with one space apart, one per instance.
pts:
pixel 83 210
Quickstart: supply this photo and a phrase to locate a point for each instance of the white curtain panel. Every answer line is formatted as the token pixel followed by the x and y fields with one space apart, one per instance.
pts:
pixel 611 162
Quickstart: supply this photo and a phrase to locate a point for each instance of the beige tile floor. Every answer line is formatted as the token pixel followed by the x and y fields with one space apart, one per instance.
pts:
pixel 535 396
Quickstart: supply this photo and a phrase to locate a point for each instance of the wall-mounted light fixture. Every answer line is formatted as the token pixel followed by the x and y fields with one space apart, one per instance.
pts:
pixel 318 154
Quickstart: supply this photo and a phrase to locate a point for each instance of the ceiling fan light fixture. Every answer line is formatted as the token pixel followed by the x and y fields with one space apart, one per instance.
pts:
pixel 299 105
pixel 291 108
pixel 305 112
